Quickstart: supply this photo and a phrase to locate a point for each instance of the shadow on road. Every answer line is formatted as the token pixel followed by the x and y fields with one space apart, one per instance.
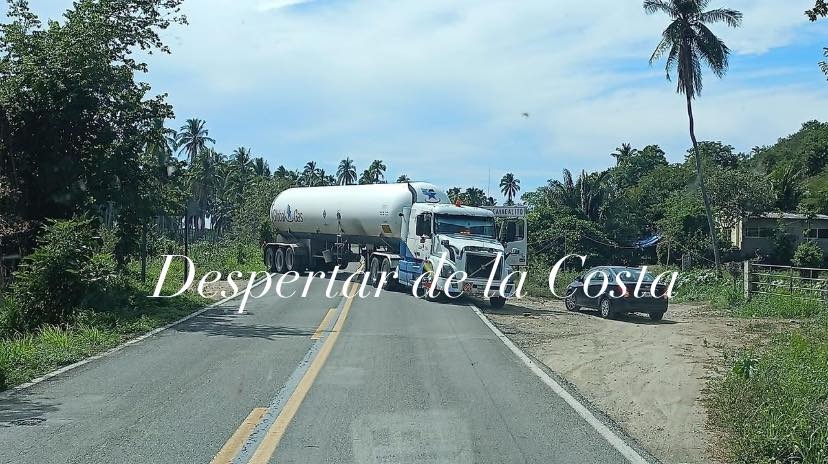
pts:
pixel 216 323
pixel 16 409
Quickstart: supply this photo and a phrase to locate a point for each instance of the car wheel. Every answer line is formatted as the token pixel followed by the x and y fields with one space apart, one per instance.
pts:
pixel 606 309
pixel 569 301
pixel 279 261
pixel 497 302
pixel 656 316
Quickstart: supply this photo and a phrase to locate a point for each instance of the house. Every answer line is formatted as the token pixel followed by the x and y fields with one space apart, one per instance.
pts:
pixel 755 234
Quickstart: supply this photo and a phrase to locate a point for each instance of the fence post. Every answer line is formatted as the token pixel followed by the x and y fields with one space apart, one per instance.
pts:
pixel 747 278
pixel 790 283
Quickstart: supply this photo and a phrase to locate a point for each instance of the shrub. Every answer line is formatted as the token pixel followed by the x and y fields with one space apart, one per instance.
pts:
pixel 50 283
pixel 773 404
pixel 808 254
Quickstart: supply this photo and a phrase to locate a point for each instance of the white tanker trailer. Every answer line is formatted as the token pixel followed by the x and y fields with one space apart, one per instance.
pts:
pixel 401 229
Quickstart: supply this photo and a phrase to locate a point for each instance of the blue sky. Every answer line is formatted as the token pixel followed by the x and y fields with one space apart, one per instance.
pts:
pixel 437 89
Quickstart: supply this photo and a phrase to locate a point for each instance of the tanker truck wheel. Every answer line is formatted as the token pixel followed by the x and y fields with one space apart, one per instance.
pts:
pixel 290 260
pixel 375 271
pixel 391 284
pixel 497 302
pixel 279 261
pixel 269 258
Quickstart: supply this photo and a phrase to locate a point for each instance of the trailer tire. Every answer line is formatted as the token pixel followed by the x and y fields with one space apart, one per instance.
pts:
pixel 290 260
pixel 279 261
pixel 269 259
pixel 374 271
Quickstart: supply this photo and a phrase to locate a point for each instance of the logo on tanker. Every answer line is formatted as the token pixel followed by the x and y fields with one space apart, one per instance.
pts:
pixel 431 196
pixel 289 215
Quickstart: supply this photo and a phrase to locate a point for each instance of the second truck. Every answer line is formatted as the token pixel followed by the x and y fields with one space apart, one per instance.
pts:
pixel 401 229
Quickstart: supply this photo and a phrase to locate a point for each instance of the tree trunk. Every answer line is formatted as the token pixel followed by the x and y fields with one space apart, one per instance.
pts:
pixel 703 187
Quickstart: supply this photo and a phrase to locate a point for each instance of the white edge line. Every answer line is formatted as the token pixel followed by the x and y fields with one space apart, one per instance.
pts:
pixel 617 442
pixel 120 347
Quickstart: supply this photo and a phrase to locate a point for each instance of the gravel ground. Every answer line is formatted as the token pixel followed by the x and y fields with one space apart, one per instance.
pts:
pixel 648 376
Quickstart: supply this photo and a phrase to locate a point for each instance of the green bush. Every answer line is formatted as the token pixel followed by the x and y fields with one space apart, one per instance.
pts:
pixel 808 254
pixel 50 282
pixel 773 405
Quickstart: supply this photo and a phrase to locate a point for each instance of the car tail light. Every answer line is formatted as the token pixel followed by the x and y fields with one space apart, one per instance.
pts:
pixel 623 292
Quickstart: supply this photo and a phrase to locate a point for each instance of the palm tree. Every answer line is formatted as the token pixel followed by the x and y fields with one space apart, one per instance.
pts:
pixel 346 173
pixel 509 186
pixel 474 196
pixel 453 194
pixel 623 153
pixel 377 172
pixel 206 180
pixel 192 138
pixel 403 179
pixel 160 147
pixel 687 42
pixel 311 175
pixel 564 192
pixel 260 167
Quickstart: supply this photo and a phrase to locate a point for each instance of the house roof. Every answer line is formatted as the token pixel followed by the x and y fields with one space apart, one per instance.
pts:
pixel 789 216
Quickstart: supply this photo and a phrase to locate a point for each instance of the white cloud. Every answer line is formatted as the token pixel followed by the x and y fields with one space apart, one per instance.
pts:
pixel 266 5
pixel 426 83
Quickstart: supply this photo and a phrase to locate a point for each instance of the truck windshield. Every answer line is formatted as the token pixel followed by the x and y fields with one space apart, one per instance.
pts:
pixel 465 225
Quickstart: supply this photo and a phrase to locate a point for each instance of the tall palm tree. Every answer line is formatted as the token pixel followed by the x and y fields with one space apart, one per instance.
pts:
pixel 403 179
pixel 260 167
pixel 377 172
pixel 509 186
pixel 192 138
pixel 688 42
pixel 624 152
pixel 346 173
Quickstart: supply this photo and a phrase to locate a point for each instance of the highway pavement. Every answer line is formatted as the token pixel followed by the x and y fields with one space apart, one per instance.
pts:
pixel 306 380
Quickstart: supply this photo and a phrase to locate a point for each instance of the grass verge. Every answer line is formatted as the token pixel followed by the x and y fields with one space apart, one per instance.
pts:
pixel 772 404
pixel 117 317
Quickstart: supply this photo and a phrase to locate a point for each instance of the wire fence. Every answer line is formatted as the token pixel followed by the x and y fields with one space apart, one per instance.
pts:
pixel 800 282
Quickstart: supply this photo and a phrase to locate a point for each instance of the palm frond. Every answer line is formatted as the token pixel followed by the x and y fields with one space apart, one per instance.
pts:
pixel 730 17
pixel 711 50
pixel 656 6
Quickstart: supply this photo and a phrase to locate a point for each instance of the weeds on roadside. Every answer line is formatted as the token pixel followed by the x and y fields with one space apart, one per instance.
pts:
pixel 773 404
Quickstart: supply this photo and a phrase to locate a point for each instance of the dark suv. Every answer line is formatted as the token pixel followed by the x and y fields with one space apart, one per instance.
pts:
pixel 614 300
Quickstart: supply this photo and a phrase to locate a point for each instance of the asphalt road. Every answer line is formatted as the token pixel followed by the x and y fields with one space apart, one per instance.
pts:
pixel 389 379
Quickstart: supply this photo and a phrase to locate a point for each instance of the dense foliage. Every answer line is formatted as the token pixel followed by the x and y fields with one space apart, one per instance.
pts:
pixel 604 213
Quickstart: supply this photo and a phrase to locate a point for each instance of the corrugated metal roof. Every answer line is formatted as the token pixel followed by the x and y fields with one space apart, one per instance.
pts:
pixel 789 216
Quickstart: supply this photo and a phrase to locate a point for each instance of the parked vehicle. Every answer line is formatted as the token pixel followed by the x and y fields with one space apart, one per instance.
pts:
pixel 405 227
pixel 617 299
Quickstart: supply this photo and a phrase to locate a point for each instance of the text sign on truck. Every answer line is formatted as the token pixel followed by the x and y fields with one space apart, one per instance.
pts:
pixel 507 211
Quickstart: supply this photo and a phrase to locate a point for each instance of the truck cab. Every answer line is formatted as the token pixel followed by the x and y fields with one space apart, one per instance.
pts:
pixel 465 239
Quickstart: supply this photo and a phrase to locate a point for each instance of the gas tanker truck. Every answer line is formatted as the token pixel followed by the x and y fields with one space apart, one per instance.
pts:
pixel 403 230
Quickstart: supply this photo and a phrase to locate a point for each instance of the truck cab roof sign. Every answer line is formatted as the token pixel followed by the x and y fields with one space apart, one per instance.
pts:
pixel 507 211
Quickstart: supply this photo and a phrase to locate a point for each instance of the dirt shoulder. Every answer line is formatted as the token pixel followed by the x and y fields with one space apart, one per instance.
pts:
pixel 648 376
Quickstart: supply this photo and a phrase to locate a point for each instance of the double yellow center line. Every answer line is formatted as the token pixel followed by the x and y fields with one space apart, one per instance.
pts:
pixel 277 429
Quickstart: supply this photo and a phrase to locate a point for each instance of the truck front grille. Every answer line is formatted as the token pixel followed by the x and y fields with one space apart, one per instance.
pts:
pixel 479 266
